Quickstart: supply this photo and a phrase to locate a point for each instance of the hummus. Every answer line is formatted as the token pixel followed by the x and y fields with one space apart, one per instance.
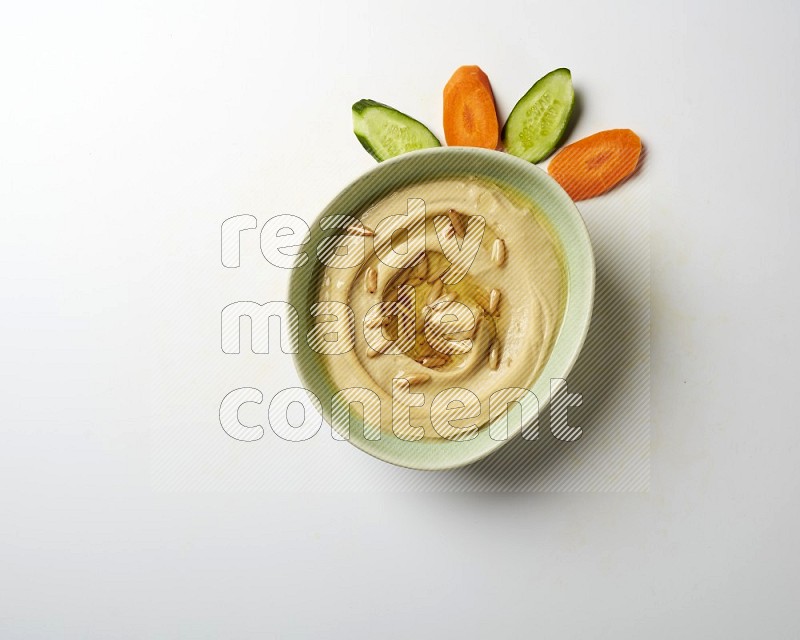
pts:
pixel 457 291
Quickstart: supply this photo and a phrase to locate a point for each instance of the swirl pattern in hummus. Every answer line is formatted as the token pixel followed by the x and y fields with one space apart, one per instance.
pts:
pixel 459 286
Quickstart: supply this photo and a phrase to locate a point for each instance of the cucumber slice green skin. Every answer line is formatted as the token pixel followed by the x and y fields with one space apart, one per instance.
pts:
pixel 537 122
pixel 386 132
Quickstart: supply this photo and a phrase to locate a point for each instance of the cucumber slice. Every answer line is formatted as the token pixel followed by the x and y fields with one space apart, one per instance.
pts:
pixel 538 121
pixel 386 132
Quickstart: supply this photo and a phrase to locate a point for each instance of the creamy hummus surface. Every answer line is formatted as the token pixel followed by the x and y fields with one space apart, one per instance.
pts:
pixel 456 288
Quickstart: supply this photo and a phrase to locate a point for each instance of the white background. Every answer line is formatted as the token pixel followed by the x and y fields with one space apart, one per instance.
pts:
pixel 128 133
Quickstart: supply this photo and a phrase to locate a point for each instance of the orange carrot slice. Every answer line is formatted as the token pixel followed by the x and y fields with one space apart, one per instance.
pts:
pixel 594 165
pixel 470 116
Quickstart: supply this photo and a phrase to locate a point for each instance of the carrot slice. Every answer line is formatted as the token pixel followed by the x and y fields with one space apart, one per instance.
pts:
pixel 470 116
pixel 594 165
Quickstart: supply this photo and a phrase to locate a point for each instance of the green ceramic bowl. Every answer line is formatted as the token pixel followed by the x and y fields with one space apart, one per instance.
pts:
pixel 454 162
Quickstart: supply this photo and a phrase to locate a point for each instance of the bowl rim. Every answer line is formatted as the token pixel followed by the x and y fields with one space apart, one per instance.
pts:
pixel 556 193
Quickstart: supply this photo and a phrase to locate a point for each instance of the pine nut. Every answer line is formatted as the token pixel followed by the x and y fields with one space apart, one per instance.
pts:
pixel 494 356
pixel 371 280
pixel 494 301
pixel 433 361
pixel 499 252
pixel 360 230
pixel 457 222
pixel 416 378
